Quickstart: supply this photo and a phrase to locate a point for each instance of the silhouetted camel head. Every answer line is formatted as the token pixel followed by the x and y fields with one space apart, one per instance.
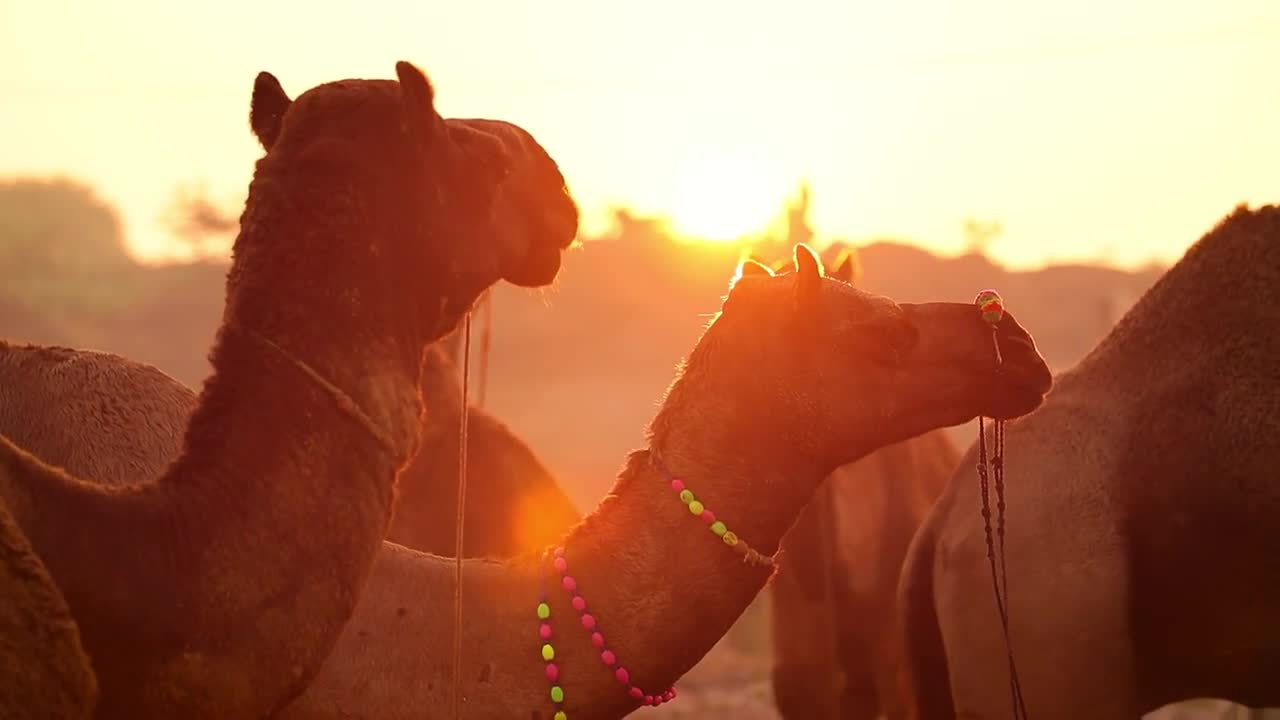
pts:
pixel 858 370
pixel 468 202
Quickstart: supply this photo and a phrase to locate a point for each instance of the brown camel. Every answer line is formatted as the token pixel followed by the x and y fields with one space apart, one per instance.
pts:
pixel 834 599
pixel 837 652
pixel 1143 555
pixel 514 503
pixel 730 425
pixel 371 225
pixel 46 672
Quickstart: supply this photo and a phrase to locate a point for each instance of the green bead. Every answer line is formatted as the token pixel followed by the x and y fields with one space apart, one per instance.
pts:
pixel 557 694
pixel 548 652
pixel 718 528
pixel 686 496
pixel 544 611
pixel 695 507
pixel 560 716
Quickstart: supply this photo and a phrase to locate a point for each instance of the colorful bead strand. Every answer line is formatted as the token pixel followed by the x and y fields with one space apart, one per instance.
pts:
pixel 717 527
pixel 591 625
pixel 549 651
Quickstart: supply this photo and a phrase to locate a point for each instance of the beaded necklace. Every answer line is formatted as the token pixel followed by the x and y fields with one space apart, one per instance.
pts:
pixel 591 625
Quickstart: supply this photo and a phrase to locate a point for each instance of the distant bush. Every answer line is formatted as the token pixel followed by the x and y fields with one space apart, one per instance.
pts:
pixel 61 248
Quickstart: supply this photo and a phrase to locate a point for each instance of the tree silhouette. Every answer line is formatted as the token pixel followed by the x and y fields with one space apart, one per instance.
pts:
pixel 201 228
pixel 61 246
pixel 979 235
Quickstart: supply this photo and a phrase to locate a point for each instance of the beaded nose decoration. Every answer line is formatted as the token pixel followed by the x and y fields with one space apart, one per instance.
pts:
pixel 992 307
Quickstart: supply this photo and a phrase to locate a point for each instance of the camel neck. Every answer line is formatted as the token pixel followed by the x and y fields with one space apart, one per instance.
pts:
pixel 662 586
pixel 289 461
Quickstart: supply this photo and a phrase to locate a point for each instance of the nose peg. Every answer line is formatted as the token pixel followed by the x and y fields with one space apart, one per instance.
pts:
pixel 991 306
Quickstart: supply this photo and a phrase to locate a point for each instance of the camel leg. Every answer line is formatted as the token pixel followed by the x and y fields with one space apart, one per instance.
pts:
pixel 860 700
pixel 806 691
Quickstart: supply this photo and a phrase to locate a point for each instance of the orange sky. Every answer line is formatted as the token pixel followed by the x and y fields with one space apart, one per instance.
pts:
pixel 1090 129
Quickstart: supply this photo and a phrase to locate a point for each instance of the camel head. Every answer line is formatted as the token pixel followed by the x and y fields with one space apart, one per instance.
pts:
pixel 457 204
pixel 848 372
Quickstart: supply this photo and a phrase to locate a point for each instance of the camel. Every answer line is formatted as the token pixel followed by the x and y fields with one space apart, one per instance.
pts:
pixel 834 599
pixel 514 504
pixel 1142 552
pixel 372 224
pixel 914 367
pixel 46 672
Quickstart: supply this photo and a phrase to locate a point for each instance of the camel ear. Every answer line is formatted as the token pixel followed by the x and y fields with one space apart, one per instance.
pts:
pixel 749 267
pixel 847 268
pixel 266 109
pixel 809 272
pixel 419 98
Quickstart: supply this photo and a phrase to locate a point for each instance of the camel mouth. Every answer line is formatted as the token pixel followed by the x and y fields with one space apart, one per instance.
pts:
pixel 540 267
pixel 1021 381
pixel 548 233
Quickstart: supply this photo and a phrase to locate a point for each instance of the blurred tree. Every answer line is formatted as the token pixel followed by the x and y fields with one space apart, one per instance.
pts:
pixel 202 229
pixel 978 235
pixel 799 229
pixel 61 247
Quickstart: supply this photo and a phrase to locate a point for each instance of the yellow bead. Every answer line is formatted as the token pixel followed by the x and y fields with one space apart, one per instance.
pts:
pixel 696 508
pixel 544 611
pixel 686 496
pixel 729 538
pixel 548 652
pixel 560 716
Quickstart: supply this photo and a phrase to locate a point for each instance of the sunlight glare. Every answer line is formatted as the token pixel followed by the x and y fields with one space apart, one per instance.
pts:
pixel 725 196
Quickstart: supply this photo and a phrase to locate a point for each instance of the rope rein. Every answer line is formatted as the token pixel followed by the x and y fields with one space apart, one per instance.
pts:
pixel 462 502
pixel 999 582
pixel 991 306
pixel 344 401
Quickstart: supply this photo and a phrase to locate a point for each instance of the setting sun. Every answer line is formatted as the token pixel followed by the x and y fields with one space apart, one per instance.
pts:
pixel 725 196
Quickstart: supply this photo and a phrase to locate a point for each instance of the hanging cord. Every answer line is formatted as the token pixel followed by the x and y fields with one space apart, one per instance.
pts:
pixel 486 338
pixel 999 583
pixel 462 504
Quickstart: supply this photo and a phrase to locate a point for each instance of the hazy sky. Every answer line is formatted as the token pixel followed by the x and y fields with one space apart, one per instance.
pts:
pixel 1090 129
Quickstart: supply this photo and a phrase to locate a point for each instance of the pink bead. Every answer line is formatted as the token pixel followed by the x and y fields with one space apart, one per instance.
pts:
pixel 672 693
pixel 569 583
pixel 623 676
pixel 544 631
pixel 677 485
pixel 648 700
pixel 553 672
pixel 635 692
pixel 560 564
pixel 608 658
pixel 597 639
pixel 579 603
pixel 708 517
pixel 588 622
